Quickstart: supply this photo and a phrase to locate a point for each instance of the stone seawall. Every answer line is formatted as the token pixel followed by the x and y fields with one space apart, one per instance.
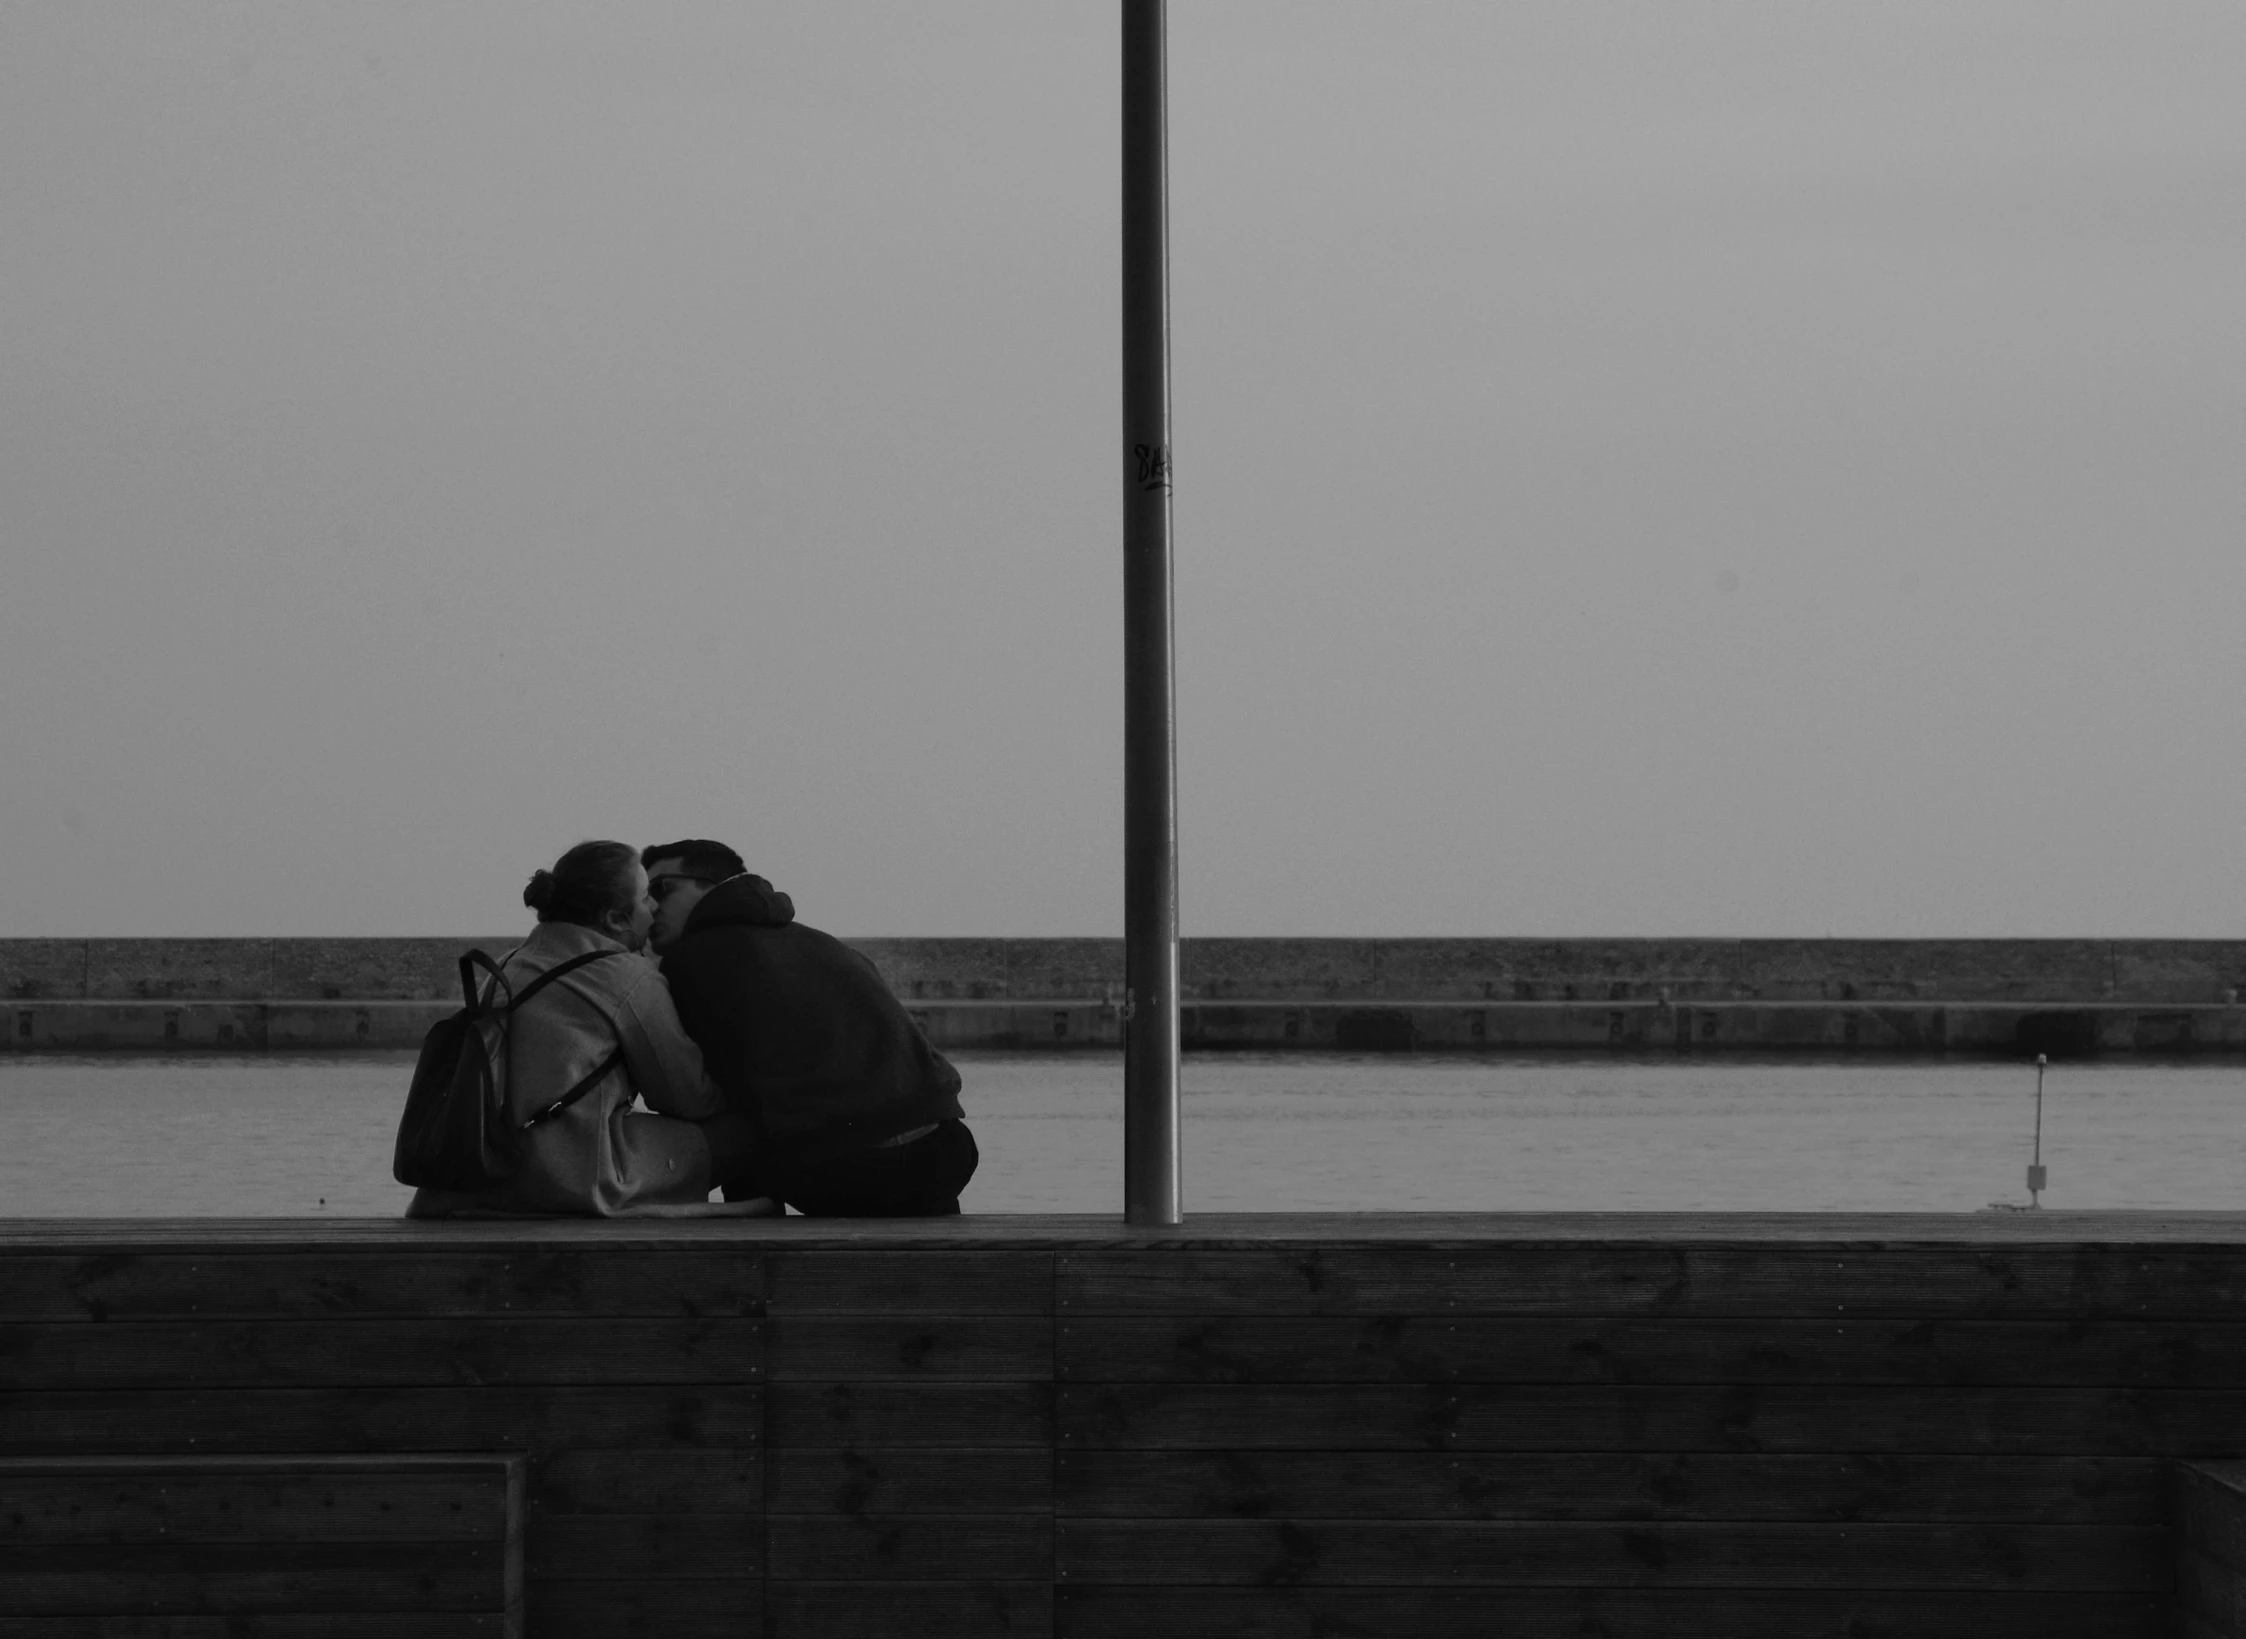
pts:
pixel 2063 996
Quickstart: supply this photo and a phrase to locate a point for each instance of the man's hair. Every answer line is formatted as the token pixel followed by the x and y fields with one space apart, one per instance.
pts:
pixel 698 856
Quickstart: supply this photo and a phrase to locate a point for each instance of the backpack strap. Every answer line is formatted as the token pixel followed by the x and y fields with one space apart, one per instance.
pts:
pixel 469 962
pixel 517 998
pixel 585 1083
pixel 580 1090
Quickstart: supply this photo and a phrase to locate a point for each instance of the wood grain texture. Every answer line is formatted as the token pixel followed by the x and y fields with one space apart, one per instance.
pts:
pixel 409 1352
pixel 1629 1486
pixel 824 1348
pixel 138 1506
pixel 1560 1613
pixel 261 1284
pixel 2208 1508
pixel 717 1480
pixel 843 1480
pixel 1634 1419
pixel 922 1610
pixel 1775 1281
pixel 221 1578
pixel 901 1414
pixel 908 1282
pixel 50 1422
pixel 1415 1426
pixel 1202 1232
pixel 2210 1592
pixel 914 1548
pixel 231 1535
pixel 663 1547
pixel 1417 1553
pixel 272 1625
pixel 646 1608
pixel 1568 1349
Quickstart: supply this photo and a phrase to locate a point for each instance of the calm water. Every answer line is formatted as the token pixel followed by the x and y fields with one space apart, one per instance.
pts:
pixel 271 1135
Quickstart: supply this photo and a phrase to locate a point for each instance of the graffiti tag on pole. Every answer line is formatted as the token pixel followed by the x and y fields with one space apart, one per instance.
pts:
pixel 1154 466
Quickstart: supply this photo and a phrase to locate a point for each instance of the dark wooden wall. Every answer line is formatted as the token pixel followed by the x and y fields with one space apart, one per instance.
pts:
pixel 629 1375
pixel 1276 1428
pixel 368 1545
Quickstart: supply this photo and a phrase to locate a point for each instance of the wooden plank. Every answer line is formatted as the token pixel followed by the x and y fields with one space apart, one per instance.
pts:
pixel 1775 1280
pixel 924 1610
pixel 1590 1486
pixel 937 1413
pixel 844 1480
pixel 720 1480
pixel 566 1548
pixel 1567 1613
pixel 1597 1349
pixel 138 1506
pixel 826 1348
pixel 2211 1592
pixel 933 1282
pixel 1728 1554
pixel 403 1352
pixel 211 1421
pixel 1633 1418
pixel 648 1608
pixel 220 1578
pixel 2208 1505
pixel 912 1548
pixel 1203 1231
pixel 350 1284
pixel 273 1625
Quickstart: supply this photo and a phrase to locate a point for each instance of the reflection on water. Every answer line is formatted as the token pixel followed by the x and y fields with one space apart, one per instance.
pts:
pixel 204 1135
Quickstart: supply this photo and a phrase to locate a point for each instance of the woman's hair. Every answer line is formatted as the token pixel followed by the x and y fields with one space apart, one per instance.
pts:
pixel 592 881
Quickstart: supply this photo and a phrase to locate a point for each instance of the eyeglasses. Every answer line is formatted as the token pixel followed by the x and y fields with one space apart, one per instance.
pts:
pixel 659 887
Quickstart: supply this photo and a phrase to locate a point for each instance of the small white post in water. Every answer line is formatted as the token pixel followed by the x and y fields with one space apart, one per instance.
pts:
pixel 2036 1173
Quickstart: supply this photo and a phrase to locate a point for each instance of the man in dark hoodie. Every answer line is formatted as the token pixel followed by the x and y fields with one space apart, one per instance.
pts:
pixel 857 1116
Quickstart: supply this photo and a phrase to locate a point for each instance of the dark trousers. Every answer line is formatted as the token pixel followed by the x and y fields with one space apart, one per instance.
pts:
pixel 732 1141
pixel 921 1179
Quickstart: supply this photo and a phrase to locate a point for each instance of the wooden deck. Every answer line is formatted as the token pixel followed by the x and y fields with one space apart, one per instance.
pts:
pixel 1277 1427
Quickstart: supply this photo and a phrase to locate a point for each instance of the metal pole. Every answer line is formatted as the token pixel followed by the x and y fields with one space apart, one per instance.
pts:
pixel 1150 822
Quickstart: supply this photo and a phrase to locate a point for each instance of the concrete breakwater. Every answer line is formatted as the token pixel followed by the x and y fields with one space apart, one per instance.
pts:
pixel 2061 996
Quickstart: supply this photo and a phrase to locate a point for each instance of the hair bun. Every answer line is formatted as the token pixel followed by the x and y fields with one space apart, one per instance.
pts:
pixel 539 892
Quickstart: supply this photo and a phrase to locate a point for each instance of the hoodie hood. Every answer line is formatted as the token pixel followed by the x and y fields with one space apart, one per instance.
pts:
pixel 741 901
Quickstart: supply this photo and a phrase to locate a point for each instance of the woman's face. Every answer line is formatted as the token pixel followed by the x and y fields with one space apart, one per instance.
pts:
pixel 631 931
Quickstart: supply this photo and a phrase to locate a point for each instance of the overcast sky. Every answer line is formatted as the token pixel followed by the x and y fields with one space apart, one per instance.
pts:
pixel 1651 468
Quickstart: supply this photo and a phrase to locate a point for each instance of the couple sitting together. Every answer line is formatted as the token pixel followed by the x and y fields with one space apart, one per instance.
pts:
pixel 773 1061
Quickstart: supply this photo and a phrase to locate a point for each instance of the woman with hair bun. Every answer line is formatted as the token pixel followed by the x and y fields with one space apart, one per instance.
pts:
pixel 589 1047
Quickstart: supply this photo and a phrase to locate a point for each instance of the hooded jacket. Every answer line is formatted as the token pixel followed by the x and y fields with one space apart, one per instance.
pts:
pixel 799 1030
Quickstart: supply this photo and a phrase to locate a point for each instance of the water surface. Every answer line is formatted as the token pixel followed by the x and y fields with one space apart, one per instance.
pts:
pixel 122 1135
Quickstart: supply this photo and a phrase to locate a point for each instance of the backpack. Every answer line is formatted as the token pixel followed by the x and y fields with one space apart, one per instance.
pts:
pixel 455 1133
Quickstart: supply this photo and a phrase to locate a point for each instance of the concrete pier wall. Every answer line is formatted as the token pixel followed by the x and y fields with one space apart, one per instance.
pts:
pixel 2060 996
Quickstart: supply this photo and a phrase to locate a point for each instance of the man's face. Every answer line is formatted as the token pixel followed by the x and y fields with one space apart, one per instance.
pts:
pixel 676 893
